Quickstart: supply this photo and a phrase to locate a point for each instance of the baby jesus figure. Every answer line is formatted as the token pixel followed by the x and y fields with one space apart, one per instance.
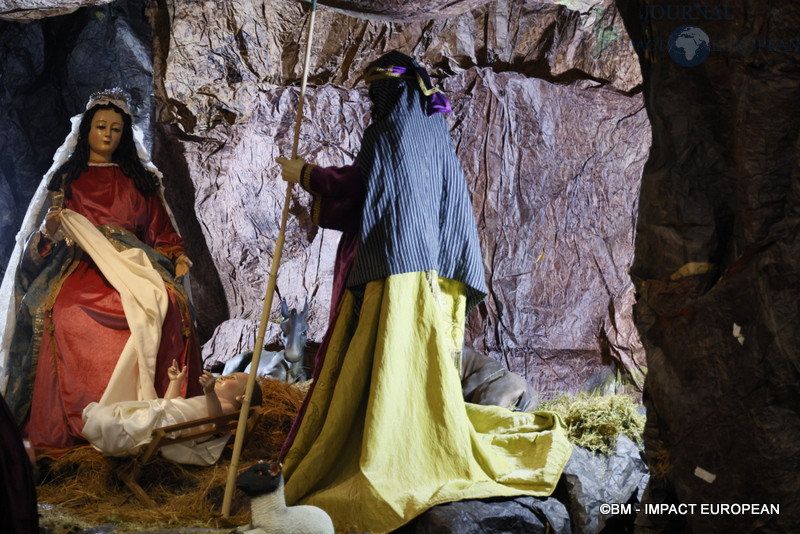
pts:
pixel 124 428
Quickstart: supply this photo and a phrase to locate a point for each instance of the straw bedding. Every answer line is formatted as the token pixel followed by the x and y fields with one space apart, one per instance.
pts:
pixel 79 489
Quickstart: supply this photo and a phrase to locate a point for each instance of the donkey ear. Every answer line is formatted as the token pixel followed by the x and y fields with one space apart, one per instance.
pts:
pixel 305 308
pixel 275 468
pixel 284 308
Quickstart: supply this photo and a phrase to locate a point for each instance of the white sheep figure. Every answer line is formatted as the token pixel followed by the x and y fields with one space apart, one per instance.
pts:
pixel 269 514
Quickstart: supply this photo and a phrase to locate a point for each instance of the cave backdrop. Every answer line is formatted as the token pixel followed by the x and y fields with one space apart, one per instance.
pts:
pixel 601 241
pixel 548 122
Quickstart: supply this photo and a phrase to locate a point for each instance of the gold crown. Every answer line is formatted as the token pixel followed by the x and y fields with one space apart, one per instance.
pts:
pixel 115 95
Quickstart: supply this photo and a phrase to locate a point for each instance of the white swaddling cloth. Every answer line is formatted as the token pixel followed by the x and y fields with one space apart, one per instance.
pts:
pixel 124 428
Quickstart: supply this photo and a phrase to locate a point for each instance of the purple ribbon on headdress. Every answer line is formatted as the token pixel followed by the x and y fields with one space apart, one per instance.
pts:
pixel 437 102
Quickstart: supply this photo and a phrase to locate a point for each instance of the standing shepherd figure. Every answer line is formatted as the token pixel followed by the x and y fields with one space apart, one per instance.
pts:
pixel 385 434
pixel 97 312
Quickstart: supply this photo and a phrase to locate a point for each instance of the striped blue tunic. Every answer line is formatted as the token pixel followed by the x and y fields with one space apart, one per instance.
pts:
pixel 417 212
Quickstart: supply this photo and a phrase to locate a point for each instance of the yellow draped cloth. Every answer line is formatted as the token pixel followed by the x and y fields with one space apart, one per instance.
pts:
pixel 387 435
pixel 144 300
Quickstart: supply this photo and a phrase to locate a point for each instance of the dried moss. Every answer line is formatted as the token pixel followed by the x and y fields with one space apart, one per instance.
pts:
pixel 596 421
pixel 658 459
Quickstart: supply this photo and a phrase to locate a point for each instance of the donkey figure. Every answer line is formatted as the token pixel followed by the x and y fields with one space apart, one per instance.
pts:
pixel 287 364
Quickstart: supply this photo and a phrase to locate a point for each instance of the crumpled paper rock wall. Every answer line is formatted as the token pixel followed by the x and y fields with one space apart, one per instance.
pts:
pixel 717 265
pixel 549 125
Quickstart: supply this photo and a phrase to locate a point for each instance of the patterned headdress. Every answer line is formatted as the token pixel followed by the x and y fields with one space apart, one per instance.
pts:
pixel 115 96
pixel 395 65
pixel 119 98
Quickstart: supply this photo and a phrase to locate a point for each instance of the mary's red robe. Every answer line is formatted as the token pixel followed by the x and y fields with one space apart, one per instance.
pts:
pixel 86 330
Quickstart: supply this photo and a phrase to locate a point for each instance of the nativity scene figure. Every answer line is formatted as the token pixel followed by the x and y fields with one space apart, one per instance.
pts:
pixel 97 310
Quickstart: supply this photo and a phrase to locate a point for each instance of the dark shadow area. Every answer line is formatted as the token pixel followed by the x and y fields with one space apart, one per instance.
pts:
pixel 210 304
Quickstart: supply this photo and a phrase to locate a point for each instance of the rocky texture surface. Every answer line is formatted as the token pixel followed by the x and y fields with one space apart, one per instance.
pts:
pixel 717 265
pixel 549 125
pixel 27 10
pixel 521 515
pixel 589 480
pixel 400 10
pixel 214 70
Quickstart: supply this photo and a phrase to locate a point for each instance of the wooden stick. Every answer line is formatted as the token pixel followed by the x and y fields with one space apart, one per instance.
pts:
pixel 273 276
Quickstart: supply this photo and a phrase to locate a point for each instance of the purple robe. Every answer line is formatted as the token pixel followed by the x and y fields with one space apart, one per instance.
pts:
pixel 338 194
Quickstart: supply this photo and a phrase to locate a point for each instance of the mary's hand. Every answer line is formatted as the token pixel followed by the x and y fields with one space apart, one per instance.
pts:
pixel 182 265
pixel 52 222
pixel 291 168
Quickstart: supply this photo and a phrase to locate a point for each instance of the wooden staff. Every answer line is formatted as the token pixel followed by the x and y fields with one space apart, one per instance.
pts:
pixel 273 276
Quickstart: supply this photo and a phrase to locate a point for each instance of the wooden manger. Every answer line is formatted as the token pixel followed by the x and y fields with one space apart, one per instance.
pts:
pixel 198 429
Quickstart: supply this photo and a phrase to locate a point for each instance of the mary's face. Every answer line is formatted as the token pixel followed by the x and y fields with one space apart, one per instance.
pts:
pixel 104 135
